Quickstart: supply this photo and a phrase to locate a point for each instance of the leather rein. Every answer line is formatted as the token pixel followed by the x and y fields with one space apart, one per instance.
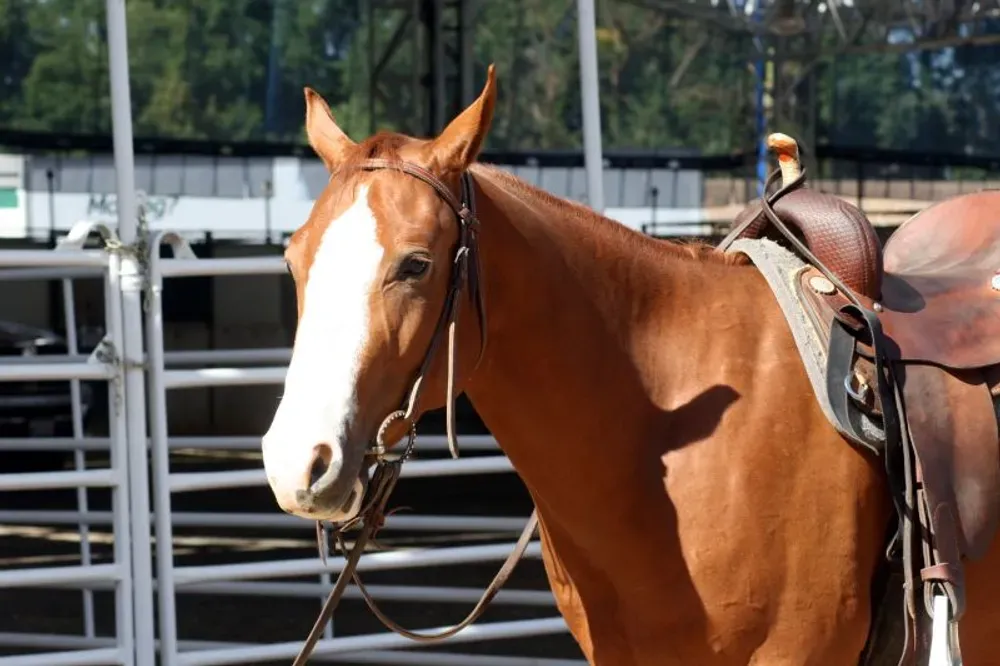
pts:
pixel 465 268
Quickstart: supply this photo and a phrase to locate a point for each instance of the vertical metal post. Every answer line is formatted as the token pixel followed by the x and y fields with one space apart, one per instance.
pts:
pixel 590 92
pixel 118 430
pixel 121 117
pixel 326 580
pixel 268 196
pixel 861 184
pixel 50 177
pixel 161 466
pixel 79 456
pixel 131 287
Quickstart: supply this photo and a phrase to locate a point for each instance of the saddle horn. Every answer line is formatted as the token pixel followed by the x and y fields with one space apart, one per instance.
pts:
pixel 787 151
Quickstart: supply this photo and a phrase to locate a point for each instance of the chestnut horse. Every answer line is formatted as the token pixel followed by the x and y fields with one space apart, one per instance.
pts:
pixel 695 505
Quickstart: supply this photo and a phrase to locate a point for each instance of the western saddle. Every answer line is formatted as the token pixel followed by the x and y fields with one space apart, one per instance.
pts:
pixel 912 334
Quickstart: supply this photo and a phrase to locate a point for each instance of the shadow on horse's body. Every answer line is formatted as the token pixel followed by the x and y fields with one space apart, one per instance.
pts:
pixel 696 506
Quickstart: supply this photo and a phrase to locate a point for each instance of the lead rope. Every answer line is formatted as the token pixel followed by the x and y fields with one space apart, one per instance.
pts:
pixel 383 481
pixel 499 580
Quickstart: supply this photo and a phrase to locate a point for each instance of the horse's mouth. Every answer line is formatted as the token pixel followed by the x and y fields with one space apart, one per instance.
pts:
pixel 313 506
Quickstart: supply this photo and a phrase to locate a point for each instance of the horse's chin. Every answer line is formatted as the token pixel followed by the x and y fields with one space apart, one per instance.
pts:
pixel 351 506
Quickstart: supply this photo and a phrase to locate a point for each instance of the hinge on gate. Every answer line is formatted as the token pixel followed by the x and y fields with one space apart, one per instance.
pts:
pixel 106 353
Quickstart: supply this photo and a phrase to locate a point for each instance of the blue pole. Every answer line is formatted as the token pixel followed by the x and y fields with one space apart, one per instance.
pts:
pixel 761 116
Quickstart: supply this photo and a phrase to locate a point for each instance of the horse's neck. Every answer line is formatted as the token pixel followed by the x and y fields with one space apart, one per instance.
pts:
pixel 571 380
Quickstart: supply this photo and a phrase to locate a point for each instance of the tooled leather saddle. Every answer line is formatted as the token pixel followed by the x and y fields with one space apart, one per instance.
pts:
pixel 912 338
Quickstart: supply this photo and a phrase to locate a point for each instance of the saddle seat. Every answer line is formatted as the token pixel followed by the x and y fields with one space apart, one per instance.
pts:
pixel 837 232
pixel 941 303
pixel 933 282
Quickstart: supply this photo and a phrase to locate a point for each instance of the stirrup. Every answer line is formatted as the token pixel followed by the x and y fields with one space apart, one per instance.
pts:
pixel 944 635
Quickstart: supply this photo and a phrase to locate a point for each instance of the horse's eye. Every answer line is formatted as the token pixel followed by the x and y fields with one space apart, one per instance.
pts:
pixel 412 267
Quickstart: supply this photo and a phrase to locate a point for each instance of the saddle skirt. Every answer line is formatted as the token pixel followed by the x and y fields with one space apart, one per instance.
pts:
pixel 783 271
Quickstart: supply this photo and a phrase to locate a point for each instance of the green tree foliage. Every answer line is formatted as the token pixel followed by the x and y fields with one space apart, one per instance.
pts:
pixel 234 70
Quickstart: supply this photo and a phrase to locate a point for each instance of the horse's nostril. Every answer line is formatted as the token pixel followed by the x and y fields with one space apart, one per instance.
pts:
pixel 322 455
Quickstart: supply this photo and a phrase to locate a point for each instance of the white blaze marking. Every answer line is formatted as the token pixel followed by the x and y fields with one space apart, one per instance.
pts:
pixel 320 387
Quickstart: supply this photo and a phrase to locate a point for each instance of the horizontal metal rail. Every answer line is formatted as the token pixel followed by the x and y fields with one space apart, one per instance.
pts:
pixel 55 444
pixel 45 372
pixel 386 561
pixel 98 657
pixel 53 258
pixel 91 478
pixel 208 377
pixel 424 443
pixel 272 520
pixel 199 357
pixel 193 481
pixel 221 443
pixel 219 267
pixel 270 355
pixel 60 576
pixel 398 593
pixel 54 641
pixel 45 359
pixel 27 274
pixel 421 658
pixel 279 651
pixel 395 657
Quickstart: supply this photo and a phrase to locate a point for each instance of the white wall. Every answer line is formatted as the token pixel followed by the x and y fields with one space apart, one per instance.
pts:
pixel 227 195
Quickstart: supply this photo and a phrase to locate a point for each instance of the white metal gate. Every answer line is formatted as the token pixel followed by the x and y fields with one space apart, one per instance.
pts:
pixel 67 261
pixel 138 269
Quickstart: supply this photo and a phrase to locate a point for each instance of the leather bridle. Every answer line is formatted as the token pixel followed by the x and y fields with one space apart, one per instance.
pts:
pixel 466 268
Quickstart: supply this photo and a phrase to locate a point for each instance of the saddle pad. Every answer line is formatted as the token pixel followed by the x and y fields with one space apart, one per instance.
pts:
pixel 781 269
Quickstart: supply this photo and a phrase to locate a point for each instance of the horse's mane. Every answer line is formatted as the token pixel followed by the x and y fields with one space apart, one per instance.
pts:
pixel 595 222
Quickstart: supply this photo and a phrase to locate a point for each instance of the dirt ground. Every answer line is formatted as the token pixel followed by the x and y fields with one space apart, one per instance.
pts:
pixel 258 619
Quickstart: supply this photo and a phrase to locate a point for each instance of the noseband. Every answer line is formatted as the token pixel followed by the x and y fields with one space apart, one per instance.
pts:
pixel 466 268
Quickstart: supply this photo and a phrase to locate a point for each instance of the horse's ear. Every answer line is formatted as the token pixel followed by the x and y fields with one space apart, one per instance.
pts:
pixel 328 140
pixel 459 144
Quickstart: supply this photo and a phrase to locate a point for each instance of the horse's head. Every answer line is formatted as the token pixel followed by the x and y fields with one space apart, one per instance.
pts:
pixel 373 271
